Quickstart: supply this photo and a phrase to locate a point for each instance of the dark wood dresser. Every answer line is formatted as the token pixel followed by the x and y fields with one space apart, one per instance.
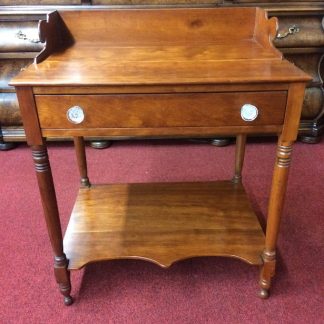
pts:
pixel 300 38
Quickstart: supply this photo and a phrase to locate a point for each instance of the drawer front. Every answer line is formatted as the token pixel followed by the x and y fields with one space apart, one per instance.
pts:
pixel 300 31
pixel 9 110
pixel 19 36
pixel 160 110
pixel 9 68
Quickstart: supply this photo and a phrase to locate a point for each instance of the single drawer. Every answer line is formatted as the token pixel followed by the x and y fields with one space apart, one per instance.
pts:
pixel 159 110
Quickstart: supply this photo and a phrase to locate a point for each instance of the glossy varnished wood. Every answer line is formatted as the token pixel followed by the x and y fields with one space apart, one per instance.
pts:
pixel 162 223
pixel 77 72
pixel 304 49
pixel 162 132
pixel 162 73
pixel 161 110
pixel 279 184
pixel 173 88
pixel 52 219
pixel 119 49
pixel 239 157
pixel 28 112
pixel 80 151
pixel 194 25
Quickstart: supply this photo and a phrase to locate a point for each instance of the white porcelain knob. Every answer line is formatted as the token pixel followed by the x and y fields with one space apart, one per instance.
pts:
pixel 75 115
pixel 249 112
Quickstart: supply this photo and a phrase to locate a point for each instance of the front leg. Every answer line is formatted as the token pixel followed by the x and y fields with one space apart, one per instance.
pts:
pixel 278 190
pixel 48 197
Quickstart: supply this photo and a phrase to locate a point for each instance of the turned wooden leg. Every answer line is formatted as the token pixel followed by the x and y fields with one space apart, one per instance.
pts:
pixel 267 272
pixel 48 197
pixel 82 160
pixel 279 183
pixel 239 157
pixel 62 276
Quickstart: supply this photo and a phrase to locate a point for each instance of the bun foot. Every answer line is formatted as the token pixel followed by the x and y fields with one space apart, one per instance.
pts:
pixel 100 144
pixel 68 300
pixel 7 146
pixel 264 293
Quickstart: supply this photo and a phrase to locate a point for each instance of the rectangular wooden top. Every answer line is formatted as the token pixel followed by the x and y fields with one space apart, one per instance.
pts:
pixel 158 46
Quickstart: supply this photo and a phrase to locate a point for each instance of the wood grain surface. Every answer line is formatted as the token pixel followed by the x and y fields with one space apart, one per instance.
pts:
pixel 162 132
pixel 162 223
pixel 181 46
pixel 161 110
pixel 162 73
pixel 58 70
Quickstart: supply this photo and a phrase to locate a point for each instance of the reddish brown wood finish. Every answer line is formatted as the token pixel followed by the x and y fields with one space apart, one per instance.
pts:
pixel 279 184
pixel 29 115
pixel 52 25
pixel 239 157
pixel 51 213
pixel 172 88
pixel 161 110
pixel 160 223
pixel 129 53
pixel 162 132
pixel 164 73
pixel 82 160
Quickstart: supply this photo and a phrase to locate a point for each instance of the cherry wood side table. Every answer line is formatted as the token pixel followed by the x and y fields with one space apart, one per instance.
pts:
pixel 185 72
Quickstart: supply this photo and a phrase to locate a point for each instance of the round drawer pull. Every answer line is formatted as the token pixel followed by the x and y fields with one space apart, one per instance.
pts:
pixel 249 112
pixel 75 115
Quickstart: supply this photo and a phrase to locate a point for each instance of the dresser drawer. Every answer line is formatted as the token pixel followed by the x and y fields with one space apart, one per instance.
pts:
pixel 19 36
pixel 305 31
pixel 159 110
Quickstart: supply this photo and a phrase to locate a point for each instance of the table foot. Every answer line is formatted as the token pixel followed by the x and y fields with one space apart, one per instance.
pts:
pixel 68 300
pixel 6 146
pixel 100 144
pixel 263 293
pixel 310 139
pixel 220 142
pixel 267 272
pixel 62 275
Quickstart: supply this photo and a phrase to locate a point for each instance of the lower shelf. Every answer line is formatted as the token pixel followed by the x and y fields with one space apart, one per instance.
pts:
pixel 162 223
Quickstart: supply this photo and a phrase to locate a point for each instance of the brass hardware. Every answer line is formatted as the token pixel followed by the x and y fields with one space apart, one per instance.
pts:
pixel 249 112
pixel 75 115
pixel 21 35
pixel 290 31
